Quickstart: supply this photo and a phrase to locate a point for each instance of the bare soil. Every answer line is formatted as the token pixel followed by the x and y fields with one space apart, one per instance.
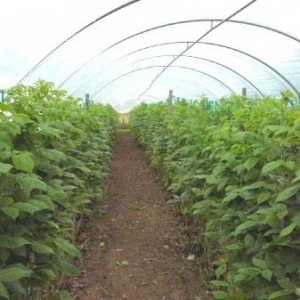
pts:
pixel 135 248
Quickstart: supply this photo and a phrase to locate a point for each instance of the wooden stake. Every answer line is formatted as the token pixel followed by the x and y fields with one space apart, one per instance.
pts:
pixel 170 101
pixel 87 100
pixel 244 92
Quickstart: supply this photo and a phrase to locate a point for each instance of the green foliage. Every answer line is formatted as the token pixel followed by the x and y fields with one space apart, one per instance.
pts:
pixel 235 166
pixel 53 165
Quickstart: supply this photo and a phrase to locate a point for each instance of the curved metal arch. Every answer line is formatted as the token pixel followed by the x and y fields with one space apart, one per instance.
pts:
pixel 106 95
pixel 178 23
pixel 202 36
pixel 208 60
pixel 45 58
pixel 151 67
pixel 201 20
pixel 211 61
pixel 223 46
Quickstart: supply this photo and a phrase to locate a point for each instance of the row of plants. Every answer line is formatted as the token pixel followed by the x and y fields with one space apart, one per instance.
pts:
pixel 54 157
pixel 234 169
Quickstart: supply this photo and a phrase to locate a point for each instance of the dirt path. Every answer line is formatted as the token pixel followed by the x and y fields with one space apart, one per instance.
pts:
pixel 135 249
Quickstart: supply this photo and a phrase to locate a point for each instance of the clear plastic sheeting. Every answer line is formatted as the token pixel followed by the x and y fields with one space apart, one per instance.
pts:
pixel 127 52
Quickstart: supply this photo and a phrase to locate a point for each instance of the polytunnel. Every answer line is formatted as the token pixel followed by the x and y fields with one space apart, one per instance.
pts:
pixel 111 190
pixel 127 52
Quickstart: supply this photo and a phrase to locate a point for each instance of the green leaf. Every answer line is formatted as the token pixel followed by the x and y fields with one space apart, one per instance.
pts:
pixel 12 242
pixel 4 146
pixel 6 108
pixel 298 173
pixel 259 263
pixel 3 291
pixel 250 271
pixel 16 287
pixel 288 193
pixel 42 248
pixel 45 273
pixel 4 155
pixel 290 164
pixel 12 128
pixel 282 210
pixel 26 207
pixel 69 187
pixel 46 200
pixel 279 294
pixel 20 251
pixel 240 277
pixel 40 204
pixel 69 269
pixel 262 197
pixel 244 226
pixel 283 129
pixel 5 168
pixel 274 128
pixel 12 212
pixel 14 274
pixel 6 201
pixel 219 283
pixel 235 247
pixel 23 162
pixel 232 195
pixel 297 178
pixel 201 176
pixel 65 296
pixel 67 247
pixel 251 162
pixel 4 255
pixel 52 224
pixel 286 283
pixel 253 186
pixel 50 131
pixel 54 154
pixel 267 274
pixel 222 268
pixel 220 295
pixel 53 170
pixel 249 240
pixel 22 118
pixel 287 230
pixel 272 166
pixel 30 182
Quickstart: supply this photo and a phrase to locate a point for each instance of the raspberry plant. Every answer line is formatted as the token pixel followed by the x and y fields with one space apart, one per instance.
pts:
pixel 53 165
pixel 234 168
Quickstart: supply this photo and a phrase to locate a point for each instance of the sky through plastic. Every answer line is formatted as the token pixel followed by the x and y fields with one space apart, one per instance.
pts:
pixel 126 52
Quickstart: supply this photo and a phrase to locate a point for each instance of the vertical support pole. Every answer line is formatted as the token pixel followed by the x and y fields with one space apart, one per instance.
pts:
pixel 170 114
pixel 2 95
pixel 87 100
pixel 244 92
pixel 170 102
